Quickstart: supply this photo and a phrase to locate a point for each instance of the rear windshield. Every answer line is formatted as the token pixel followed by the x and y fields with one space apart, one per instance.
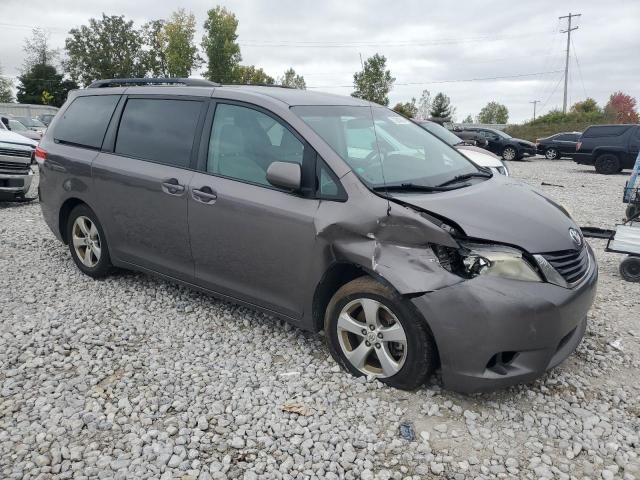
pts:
pixel 85 122
pixel 605 131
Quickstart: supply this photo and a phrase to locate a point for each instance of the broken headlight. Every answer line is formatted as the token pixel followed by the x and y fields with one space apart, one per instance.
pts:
pixel 472 260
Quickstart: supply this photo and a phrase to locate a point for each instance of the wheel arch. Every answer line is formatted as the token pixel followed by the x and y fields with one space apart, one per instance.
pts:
pixel 63 215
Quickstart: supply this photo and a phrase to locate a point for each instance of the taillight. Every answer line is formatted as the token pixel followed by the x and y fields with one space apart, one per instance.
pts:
pixel 40 155
pixel 578 146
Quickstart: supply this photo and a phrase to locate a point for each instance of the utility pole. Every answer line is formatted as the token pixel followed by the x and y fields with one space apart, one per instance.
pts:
pixel 535 102
pixel 566 64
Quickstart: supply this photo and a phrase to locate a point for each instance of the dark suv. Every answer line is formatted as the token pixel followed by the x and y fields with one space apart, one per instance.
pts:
pixel 330 212
pixel 500 143
pixel 610 148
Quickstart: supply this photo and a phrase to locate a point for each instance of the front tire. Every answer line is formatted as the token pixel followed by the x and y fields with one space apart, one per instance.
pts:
pixel 630 269
pixel 509 153
pixel 372 330
pixel 87 242
pixel 551 154
pixel 607 164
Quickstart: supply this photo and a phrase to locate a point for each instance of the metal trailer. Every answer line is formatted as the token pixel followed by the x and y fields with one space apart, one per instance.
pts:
pixel 626 238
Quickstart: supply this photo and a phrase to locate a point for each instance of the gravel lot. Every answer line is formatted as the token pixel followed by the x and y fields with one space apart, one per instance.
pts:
pixel 133 377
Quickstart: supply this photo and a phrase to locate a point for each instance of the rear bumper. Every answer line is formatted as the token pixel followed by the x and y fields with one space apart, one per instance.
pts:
pixel 15 184
pixel 492 332
pixel 529 151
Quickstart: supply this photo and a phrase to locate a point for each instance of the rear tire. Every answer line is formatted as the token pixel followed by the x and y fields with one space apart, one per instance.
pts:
pixel 551 154
pixel 509 153
pixel 630 269
pixel 88 243
pixel 364 303
pixel 607 164
pixel 632 212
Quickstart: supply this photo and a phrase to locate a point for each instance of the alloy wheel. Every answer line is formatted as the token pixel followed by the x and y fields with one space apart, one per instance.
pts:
pixel 509 153
pixel 551 154
pixel 372 338
pixel 86 241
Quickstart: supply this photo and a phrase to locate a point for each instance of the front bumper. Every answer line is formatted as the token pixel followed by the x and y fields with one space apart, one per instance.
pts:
pixel 527 150
pixel 15 184
pixel 492 332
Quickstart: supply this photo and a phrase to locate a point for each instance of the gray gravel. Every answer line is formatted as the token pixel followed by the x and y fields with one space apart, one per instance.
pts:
pixel 133 377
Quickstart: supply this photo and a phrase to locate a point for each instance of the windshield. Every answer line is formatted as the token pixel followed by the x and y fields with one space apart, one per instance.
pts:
pixel 30 122
pixel 500 133
pixel 17 126
pixel 442 133
pixel 384 148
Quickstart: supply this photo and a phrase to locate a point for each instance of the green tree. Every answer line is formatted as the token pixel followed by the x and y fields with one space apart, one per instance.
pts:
pixel 407 109
pixel 6 90
pixel 588 105
pixel 374 82
pixel 181 53
pixel 37 50
pixel 468 119
pixel 424 105
pixel 441 106
pixel 292 80
pixel 250 75
pixel 43 78
pixel 220 46
pixel 493 112
pixel 154 37
pixel 110 47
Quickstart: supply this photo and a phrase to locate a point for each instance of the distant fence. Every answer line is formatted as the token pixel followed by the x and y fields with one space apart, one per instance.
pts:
pixel 26 110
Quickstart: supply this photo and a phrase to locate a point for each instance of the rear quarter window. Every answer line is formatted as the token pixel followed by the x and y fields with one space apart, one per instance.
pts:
pixel 605 131
pixel 85 122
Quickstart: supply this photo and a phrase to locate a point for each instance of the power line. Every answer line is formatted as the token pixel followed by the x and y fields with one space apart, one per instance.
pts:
pixel 573 45
pixel 478 79
pixel 566 65
pixel 535 102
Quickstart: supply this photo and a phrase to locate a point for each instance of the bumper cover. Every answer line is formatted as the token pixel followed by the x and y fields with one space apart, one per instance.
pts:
pixel 480 323
pixel 14 183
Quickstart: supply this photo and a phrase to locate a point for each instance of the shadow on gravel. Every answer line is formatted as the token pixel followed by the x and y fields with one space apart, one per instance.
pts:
pixel 619 174
pixel 16 202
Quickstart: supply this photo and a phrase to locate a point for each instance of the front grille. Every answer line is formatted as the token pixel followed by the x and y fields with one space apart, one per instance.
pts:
pixel 571 264
pixel 14 167
pixel 15 153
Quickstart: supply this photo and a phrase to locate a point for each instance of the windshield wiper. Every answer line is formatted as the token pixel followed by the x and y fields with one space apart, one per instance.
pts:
pixel 466 176
pixel 414 187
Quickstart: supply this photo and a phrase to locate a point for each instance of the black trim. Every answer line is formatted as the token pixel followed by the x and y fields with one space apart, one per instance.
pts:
pixel 341 196
pixel 124 82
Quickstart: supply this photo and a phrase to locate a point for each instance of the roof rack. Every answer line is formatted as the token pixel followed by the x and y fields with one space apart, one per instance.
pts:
pixel 235 84
pixel 123 82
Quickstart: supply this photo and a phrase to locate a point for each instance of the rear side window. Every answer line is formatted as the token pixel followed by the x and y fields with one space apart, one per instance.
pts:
pixel 605 131
pixel 85 122
pixel 160 130
pixel 570 137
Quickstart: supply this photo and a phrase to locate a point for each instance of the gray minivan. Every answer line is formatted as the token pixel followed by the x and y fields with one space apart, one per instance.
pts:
pixel 330 212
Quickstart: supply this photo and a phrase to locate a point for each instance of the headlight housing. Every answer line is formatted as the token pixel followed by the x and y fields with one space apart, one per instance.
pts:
pixel 472 260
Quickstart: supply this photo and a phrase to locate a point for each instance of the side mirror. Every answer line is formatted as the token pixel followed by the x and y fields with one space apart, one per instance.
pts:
pixel 285 175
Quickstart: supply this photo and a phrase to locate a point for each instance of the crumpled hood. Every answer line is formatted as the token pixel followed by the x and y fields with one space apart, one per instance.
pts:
pixel 502 210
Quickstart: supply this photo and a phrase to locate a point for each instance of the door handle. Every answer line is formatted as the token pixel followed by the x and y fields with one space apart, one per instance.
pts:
pixel 204 195
pixel 172 187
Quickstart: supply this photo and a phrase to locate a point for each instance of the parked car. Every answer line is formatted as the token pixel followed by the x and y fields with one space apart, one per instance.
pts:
pixel 32 124
pixel 46 118
pixel 16 153
pixel 475 154
pixel 558 145
pixel 15 126
pixel 610 148
pixel 407 254
pixel 470 137
pixel 502 144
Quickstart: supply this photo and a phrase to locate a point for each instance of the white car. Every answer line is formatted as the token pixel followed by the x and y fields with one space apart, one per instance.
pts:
pixel 16 154
pixel 477 155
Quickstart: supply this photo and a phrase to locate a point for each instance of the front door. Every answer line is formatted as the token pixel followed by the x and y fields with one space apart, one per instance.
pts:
pixel 143 184
pixel 250 240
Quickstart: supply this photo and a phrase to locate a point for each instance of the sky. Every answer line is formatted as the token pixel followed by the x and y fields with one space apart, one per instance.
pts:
pixel 433 45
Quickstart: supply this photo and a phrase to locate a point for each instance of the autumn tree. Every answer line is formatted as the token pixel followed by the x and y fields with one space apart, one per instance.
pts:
pixel 292 80
pixel 110 47
pixel 441 106
pixel 493 112
pixel 155 40
pixel 37 50
pixel 621 108
pixel 220 46
pixel 181 53
pixel 407 109
pixel 374 82
pixel 588 105
pixel 424 105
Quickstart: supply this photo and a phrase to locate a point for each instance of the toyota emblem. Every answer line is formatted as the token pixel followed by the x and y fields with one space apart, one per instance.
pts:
pixel 576 238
